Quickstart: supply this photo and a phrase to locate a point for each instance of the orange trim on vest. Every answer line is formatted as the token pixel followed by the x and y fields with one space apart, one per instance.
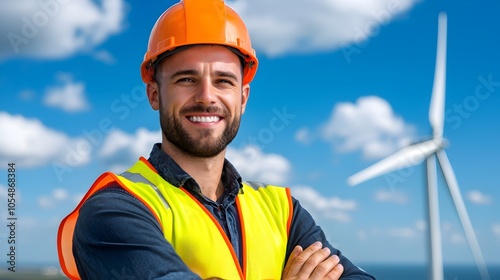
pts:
pixel 290 216
pixel 243 236
pixel 222 232
pixel 146 162
pixel 67 227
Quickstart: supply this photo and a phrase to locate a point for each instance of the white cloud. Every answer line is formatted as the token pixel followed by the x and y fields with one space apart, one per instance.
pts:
pixel 50 271
pixel 455 235
pixel 69 96
pixel 50 201
pixel 478 197
pixel 254 165
pixel 38 232
pixel 57 28
pixel 45 202
pixel 369 125
pixel 120 150
pixel 421 225
pixel 446 227
pixel 338 216
pixel 311 195
pixel 3 192
pixel 303 136
pixel 405 232
pixel 456 238
pixel 390 196
pixel 29 143
pixel 60 194
pixel 104 56
pixel 413 231
pixel 362 234
pixel 3 197
pixel 282 26
pixel 332 208
pixel 27 95
pixel 496 229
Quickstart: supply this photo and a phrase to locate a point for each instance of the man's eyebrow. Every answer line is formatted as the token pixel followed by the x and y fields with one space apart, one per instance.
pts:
pixel 226 74
pixel 192 72
pixel 189 72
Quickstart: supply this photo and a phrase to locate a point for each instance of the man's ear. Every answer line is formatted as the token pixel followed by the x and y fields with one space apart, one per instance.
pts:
pixel 153 92
pixel 245 94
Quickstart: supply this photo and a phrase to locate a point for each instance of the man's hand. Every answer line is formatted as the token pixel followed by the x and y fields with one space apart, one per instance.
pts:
pixel 314 262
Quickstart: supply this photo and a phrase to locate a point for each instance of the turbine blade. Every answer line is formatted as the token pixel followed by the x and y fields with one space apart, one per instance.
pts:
pixel 451 181
pixel 434 225
pixel 436 110
pixel 408 156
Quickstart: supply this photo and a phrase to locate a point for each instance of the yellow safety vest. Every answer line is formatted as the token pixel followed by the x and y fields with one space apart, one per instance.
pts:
pixel 265 215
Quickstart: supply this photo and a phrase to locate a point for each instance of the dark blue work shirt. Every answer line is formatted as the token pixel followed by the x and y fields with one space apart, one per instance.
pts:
pixel 117 237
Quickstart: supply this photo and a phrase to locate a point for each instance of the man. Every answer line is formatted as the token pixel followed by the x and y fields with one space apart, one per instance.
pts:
pixel 184 213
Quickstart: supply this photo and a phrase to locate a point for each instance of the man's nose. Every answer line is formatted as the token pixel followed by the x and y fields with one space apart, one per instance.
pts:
pixel 206 92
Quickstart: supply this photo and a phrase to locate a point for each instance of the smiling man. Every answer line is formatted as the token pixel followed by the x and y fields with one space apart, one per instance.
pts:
pixel 185 213
pixel 201 113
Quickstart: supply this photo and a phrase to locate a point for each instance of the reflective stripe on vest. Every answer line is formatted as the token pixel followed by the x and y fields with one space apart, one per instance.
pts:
pixel 265 214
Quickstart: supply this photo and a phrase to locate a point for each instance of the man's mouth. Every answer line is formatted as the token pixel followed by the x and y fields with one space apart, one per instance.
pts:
pixel 204 119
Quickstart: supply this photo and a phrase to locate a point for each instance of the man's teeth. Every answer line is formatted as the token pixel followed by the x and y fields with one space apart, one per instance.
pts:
pixel 204 119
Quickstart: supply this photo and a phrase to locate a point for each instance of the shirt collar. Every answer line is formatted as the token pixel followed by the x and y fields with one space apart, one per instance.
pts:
pixel 169 170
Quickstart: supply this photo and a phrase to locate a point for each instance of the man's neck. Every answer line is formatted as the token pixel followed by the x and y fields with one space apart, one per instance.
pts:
pixel 207 172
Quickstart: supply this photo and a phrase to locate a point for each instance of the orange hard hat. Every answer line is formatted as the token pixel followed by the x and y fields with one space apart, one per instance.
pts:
pixel 193 22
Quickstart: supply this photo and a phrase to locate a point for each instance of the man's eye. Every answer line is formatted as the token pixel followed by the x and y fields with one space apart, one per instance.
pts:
pixel 224 81
pixel 182 80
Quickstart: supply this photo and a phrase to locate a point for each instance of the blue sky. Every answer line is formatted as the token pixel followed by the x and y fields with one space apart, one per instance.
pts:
pixel 340 85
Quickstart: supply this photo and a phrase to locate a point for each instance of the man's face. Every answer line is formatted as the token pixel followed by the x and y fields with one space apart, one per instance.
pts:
pixel 201 99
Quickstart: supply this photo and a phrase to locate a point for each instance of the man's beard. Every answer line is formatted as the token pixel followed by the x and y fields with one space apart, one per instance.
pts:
pixel 205 146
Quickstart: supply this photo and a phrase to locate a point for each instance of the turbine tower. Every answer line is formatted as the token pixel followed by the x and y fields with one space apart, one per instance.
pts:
pixel 430 150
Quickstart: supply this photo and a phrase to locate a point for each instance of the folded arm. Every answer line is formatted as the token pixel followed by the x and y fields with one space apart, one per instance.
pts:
pixel 304 232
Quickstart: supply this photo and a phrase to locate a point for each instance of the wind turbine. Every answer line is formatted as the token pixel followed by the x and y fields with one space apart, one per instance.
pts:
pixel 430 150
